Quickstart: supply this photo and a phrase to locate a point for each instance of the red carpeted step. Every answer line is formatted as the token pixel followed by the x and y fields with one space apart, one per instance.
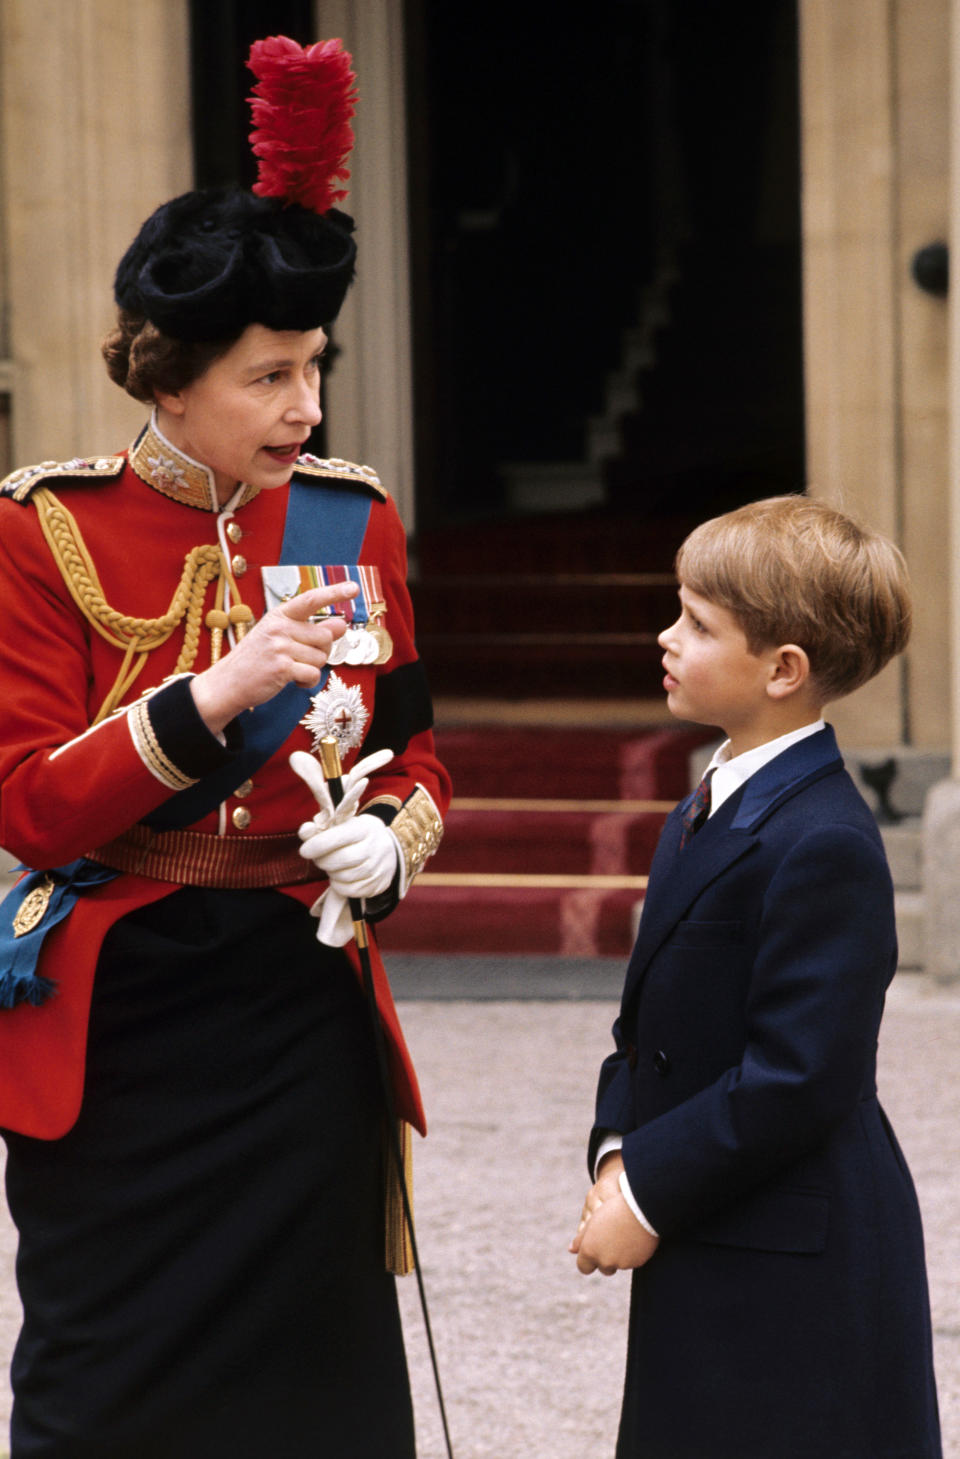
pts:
pixel 592 541
pixel 502 838
pixel 548 842
pixel 473 603
pixel 546 606
pixel 519 664
pixel 570 764
pixel 583 921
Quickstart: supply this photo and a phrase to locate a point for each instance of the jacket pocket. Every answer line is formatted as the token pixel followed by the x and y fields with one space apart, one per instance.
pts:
pixel 785 1220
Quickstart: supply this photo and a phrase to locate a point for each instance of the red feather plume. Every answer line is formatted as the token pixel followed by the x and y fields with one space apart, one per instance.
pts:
pixel 302 105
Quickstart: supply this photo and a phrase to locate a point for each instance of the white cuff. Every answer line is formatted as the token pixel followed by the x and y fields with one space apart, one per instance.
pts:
pixel 609 1142
pixel 627 1194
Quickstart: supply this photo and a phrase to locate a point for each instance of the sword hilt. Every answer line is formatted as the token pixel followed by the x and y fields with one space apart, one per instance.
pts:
pixel 332 769
pixel 333 774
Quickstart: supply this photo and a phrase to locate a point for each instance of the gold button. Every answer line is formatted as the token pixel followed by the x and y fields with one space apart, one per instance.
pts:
pixel 239 565
pixel 242 791
pixel 241 818
pixel 234 531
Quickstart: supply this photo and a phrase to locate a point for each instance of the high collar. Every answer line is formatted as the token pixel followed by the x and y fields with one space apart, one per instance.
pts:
pixel 176 475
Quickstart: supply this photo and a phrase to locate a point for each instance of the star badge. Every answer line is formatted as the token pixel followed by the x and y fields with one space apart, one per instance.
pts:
pixel 337 710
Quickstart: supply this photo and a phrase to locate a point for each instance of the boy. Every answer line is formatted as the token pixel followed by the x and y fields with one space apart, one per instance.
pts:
pixel 743 1166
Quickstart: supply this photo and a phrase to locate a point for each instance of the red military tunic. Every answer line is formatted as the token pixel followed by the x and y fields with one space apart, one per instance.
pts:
pixel 67 789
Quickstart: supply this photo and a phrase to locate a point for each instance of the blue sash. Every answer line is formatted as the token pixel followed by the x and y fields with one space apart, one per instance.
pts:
pixel 322 525
pixel 19 955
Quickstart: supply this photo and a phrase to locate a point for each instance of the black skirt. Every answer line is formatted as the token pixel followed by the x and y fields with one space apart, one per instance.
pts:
pixel 201 1258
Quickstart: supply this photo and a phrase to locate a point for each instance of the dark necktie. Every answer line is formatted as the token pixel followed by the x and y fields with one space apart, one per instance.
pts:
pixel 698 809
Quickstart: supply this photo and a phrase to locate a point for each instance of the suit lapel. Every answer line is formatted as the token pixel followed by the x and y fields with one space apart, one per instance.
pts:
pixel 677 877
pixel 676 880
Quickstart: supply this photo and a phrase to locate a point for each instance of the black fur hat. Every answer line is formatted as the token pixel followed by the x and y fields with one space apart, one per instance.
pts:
pixel 208 263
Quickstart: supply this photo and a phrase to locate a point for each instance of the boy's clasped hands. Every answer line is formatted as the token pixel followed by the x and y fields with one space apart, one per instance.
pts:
pixel 609 1237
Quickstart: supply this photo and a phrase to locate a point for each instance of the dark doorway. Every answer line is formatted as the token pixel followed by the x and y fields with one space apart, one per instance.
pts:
pixel 606 244
pixel 221 34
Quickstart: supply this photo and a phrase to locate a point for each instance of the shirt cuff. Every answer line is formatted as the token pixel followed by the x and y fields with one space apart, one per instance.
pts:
pixel 614 1141
pixel 628 1196
pixel 609 1142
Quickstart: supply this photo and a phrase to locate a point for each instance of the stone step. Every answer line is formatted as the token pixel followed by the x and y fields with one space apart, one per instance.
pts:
pixel 562 486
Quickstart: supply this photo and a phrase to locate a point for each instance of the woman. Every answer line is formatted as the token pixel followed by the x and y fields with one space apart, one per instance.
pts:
pixel 188 1086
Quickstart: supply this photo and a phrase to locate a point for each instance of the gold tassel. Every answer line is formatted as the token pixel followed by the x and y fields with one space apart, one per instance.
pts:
pixel 399 1247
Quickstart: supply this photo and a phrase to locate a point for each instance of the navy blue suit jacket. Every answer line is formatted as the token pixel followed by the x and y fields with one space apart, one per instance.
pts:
pixel 743 1083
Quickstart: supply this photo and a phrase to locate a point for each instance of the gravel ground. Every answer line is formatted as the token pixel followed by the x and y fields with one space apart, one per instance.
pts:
pixel 531 1354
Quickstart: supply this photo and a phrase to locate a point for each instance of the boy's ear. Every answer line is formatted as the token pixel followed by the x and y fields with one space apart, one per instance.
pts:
pixel 790 671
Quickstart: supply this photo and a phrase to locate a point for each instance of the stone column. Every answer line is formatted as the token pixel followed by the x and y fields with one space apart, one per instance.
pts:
pixel 941 828
pixel 874 85
pixel 370 393
pixel 96 134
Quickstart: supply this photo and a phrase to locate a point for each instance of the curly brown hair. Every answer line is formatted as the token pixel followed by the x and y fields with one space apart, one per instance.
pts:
pixel 142 360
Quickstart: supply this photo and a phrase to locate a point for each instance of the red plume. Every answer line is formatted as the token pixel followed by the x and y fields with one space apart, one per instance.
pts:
pixel 302 105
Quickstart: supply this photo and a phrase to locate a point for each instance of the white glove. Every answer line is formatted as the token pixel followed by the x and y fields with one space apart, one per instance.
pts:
pixel 335 925
pixel 355 783
pixel 361 863
pixel 359 856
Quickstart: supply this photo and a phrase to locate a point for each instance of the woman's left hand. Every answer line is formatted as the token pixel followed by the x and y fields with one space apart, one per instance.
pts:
pixel 359 856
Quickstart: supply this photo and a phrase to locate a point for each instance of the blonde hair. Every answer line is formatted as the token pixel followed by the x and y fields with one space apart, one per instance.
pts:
pixel 794 570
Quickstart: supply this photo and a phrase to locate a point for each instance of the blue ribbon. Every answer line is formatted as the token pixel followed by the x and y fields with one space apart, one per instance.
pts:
pixel 19 956
pixel 327 524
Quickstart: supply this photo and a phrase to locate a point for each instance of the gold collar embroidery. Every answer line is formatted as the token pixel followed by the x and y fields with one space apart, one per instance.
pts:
pixel 176 475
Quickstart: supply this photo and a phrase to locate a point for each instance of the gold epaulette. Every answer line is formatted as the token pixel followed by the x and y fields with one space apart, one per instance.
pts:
pixel 310 468
pixel 20 484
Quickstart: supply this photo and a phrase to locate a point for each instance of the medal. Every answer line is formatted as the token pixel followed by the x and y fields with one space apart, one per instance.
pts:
pixel 353 645
pixel 338 651
pixel 366 641
pixel 383 640
pixel 33 907
pixel 337 710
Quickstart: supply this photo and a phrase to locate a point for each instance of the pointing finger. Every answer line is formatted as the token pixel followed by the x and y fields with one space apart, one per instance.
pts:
pixel 315 600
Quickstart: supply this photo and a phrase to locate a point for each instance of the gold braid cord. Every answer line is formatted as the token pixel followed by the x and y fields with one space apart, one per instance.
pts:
pixel 135 636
